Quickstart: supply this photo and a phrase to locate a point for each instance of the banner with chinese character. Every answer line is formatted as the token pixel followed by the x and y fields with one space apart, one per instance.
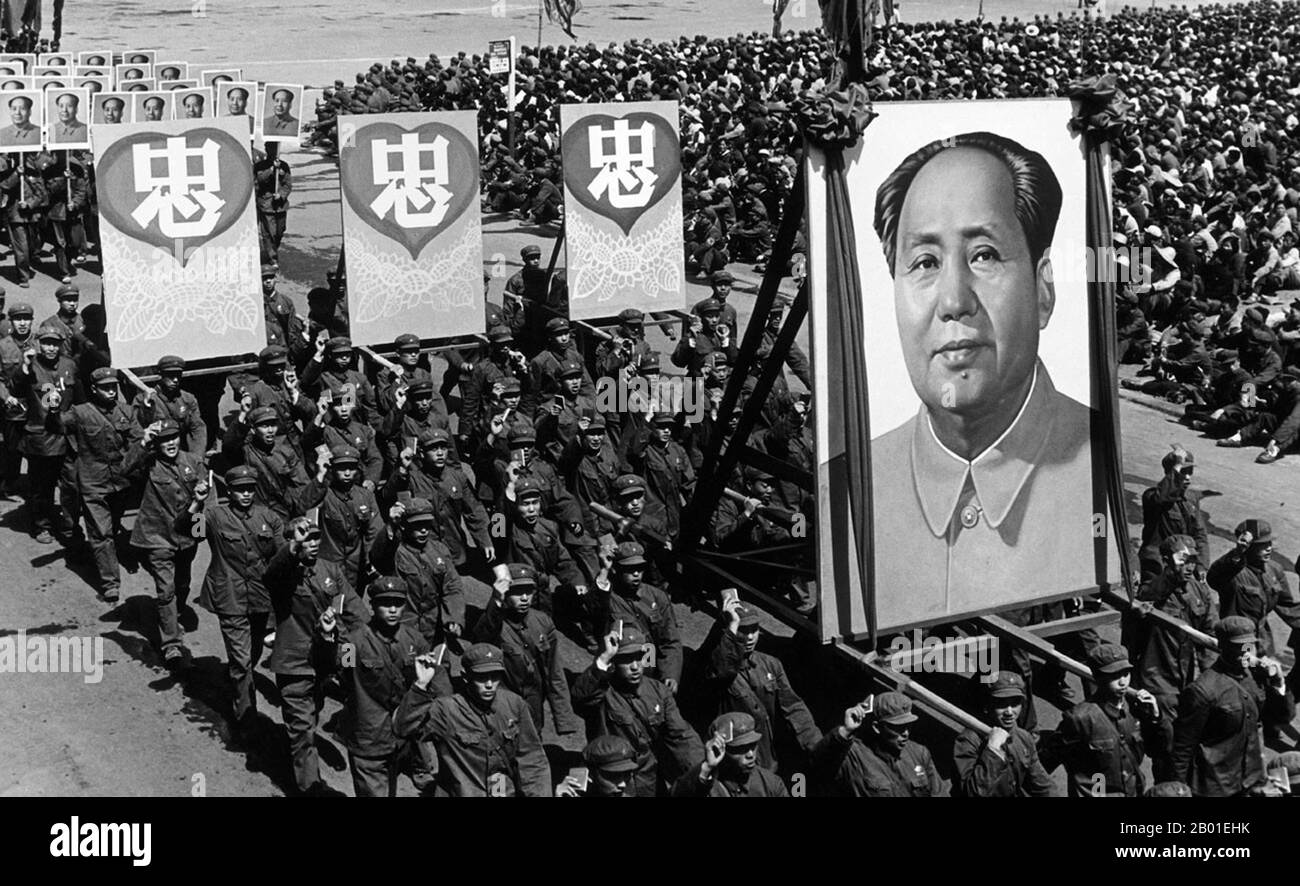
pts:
pixel 179 233
pixel 411 228
pixel 623 208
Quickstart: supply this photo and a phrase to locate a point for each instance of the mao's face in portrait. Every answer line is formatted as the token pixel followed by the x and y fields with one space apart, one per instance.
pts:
pixel 970 301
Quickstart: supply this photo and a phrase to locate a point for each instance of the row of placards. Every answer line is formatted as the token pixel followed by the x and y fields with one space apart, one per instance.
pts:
pixel 57 117
pixel 179 234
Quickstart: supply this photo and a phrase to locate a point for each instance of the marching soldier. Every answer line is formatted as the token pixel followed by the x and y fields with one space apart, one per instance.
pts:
pixel 435 600
pixel 284 328
pixel 25 198
pixel 243 537
pixel 881 760
pixel 331 369
pixel 350 521
pixel 623 598
pixel 531 646
pixel 278 388
pixel 336 424
pixel 312 601
pixel 703 334
pixel 617 697
pixel 536 541
pixel 626 348
pixel 754 683
pixel 1172 507
pixel 382 656
pixel 1102 741
pixel 417 410
pixel 484 736
pixel 13 345
pixel 590 467
pixel 665 466
pixel 744 527
pixel 168 402
pixel 49 383
pixel 163 530
pixel 1251 584
pixel 548 369
pixel 1005 762
pixel 560 416
pixel 730 766
pixel 274 183
pixel 720 282
pixel 503 362
pixel 1218 750
pixel 67 320
pixel 254 439
pixel 104 435
pixel 610 761
pixel 414 368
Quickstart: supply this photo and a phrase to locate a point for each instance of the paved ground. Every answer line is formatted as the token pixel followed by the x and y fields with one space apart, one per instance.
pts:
pixel 140 731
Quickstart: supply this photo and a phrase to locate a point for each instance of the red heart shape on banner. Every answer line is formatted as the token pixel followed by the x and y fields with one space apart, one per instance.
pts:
pixel 619 167
pixel 409 184
pixel 191 187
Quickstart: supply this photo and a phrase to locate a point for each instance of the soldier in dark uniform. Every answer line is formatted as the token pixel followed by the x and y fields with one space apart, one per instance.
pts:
pixel 243 537
pixel 526 291
pixel 336 424
pixel 67 320
pixel 274 183
pixel 879 761
pixel 617 696
pixel 1218 750
pixel 744 527
pixel 625 348
pixel 13 345
pixel 703 334
pixel 1167 660
pixel 331 368
pixel 1251 584
pixel 548 368
pixel 483 735
pixel 537 541
pixel 414 369
pixel 104 435
pixel 589 467
pixel 48 382
pixel 1172 507
pixel 417 411
pixel 611 762
pixel 502 466
pixel 447 488
pixel 730 765
pixel 1004 763
pixel 284 328
pixel 168 401
pixel 559 416
pixel 312 601
pixel 502 362
pixel 531 647
pixel 25 198
pixel 622 596
pixel 254 439
pixel 795 358
pixel 435 600
pixel 745 680
pixel 350 520
pixel 720 283
pixel 277 388
pixel 665 466
pixel 379 668
pixel 1102 741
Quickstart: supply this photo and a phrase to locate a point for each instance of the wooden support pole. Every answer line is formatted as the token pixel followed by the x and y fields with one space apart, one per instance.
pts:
pixel 1018 636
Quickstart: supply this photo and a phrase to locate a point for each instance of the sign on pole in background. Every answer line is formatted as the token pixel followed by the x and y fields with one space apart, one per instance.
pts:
pixel 182 271
pixel 411 227
pixel 623 208
pixel 501 56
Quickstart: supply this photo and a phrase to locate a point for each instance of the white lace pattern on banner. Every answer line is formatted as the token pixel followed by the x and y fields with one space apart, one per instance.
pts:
pixel 605 266
pixel 387 283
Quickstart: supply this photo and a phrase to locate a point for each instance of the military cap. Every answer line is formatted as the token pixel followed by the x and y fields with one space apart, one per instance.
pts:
pixel 631 317
pixel 344 455
pixel 720 277
pixel 595 422
pixel 1109 658
pixel 389 587
pixel 1290 762
pixel 67 290
pixel 1007 684
pixel 612 753
pixel 167 429
pixel 629 553
pixel 1260 531
pixel 171 363
pixel 527 487
pixel 262 415
pixel 510 387
pixel 753 473
pixel 664 418
pixel 49 332
pixel 104 375
pixel 737 728
pixel 707 306
pixel 1178 457
pixel 272 355
pixel 748 617
pixel 406 341
pixel 531 251
pixel 339 344
pixel 268 274
pixel 435 437
pixel 1170 789
pixel 522 433
pixel 632 643
pixel 1235 629
pixel 418 510
pixel 1262 337
pixel 629 484
pixel 241 475
pixel 21 309
pixel 500 334
pixel 570 369
pixel 557 326
pixel 1178 544
pixel 482 658
pixel 522 576
pixel 420 387
pixel 649 364
pixel 894 708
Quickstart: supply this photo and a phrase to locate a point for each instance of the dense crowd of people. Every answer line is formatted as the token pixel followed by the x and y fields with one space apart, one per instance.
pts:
pixel 351 510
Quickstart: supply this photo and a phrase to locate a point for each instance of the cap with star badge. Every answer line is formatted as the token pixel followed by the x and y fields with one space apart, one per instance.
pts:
pixel 482 658
pixel 344 455
pixel 104 375
pixel 527 487
pixel 339 344
pixel 707 306
pixel 420 388
pixel 388 587
pixel 522 576
pixel 738 730
pixel 557 326
pixel 49 333
pixel 418 510
pixel 522 434
pixel 241 476
pixel 500 335
pixel 631 317
pixel 1260 531
pixel 1007 684
pixel 167 429
pixel 631 644
pixel 170 363
pixel 1178 544
pixel 1235 629
pixel 531 251
pixel 273 355
pixel 435 437
pixel 595 422
pixel 894 708
pixel 649 364
pixel 629 553
pixel 407 341
pixel 1109 658
pixel 67 291
pixel 21 309
pixel 629 485
pixel 611 753
pixel 263 415
pixel 570 369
